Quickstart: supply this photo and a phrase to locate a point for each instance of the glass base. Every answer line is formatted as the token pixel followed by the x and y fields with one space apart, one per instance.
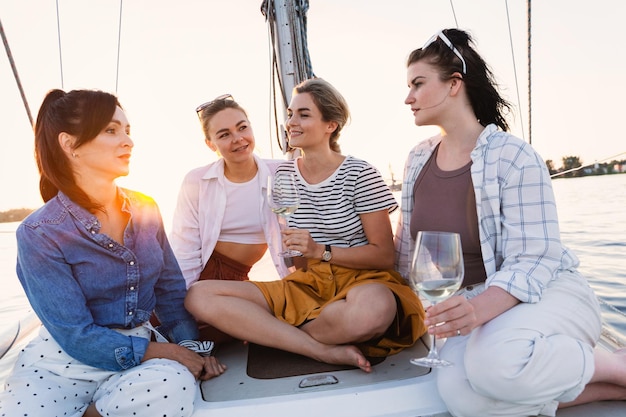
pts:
pixel 431 362
pixel 290 253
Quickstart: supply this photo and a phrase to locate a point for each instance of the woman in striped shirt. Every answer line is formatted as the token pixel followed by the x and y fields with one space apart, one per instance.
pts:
pixel 345 302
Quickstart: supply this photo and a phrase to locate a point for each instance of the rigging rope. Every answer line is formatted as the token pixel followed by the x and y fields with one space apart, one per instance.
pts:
pixel 269 14
pixel 15 73
pixel 59 39
pixel 298 54
pixel 508 19
pixel 456 22
pixel 119 43
pixel 530 125
pixel 586 165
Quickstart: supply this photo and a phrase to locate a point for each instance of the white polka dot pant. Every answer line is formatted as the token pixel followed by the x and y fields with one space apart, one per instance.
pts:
pixel 48 382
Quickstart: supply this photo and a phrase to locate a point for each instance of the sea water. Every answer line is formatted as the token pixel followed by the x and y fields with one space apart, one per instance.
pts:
pixel 592 216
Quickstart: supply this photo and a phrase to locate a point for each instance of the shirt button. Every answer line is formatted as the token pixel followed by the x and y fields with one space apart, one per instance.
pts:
pixel 110 245
pixel 131 263
pixel 132 288
pixel 93 232
pixel 130 313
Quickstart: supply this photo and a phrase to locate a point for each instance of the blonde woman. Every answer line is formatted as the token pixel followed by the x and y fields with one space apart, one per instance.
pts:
pixel 345 302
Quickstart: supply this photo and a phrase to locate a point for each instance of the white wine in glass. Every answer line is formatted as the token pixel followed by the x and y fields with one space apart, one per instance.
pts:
pixel 284 200
pixel 436 273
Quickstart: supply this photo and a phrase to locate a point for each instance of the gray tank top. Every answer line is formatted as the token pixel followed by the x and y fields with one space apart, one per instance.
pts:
pixel 444 201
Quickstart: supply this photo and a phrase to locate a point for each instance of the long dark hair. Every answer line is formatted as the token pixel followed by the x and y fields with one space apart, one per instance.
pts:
pixel 80 113
pixel 482 89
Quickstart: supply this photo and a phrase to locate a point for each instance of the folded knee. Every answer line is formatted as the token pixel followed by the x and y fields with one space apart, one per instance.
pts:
pixel 506 372
pixel 376 319
pixel 192 299
pixel 197 298
pixel 459 396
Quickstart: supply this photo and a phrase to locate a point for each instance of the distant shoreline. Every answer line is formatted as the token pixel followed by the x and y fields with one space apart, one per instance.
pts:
pixel 17 215
pixel 14 215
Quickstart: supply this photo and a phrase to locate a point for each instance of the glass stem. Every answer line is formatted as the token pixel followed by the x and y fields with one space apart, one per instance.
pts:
pixel 282 225
pixel 432 352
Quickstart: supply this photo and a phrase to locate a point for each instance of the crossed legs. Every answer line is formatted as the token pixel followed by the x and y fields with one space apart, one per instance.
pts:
pixel 240 309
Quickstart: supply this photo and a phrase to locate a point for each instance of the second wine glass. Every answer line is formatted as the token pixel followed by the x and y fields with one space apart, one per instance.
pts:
pixel 284 200
pixel 436 273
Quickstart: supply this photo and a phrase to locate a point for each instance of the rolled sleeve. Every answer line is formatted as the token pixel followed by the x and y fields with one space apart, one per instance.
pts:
pixel 520 236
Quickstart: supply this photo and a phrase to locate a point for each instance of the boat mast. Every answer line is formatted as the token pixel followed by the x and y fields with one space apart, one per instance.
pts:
pixel 15 73
pixel 290 61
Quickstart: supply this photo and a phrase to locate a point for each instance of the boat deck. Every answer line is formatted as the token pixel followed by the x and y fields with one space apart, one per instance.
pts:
pixel 257 372
pixel 394 388
pixel 286 384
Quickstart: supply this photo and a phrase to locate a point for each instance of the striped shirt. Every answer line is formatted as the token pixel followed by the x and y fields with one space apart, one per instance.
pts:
pixel 517 217
pixel 330 209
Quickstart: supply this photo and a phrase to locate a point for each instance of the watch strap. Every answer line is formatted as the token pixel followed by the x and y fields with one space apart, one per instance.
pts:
pixel 327 255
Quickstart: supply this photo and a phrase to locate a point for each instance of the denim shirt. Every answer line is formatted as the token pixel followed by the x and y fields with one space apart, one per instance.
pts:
pixel 82 284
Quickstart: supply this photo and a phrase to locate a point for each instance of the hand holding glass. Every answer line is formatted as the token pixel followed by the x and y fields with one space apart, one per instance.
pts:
pixel 436 273
pixel 283 199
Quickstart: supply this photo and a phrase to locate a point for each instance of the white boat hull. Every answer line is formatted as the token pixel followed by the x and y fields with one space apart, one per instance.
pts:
pixel 394 388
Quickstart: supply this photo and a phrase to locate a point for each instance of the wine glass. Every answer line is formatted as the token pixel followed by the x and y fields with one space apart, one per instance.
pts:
pixel 283 199
pixel 436 273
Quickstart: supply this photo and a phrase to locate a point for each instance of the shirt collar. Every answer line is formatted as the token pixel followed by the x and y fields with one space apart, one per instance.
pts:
pixel 87 219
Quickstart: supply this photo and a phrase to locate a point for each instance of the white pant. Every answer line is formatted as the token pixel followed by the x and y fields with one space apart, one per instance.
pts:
pixel 527 360
pixel 46 381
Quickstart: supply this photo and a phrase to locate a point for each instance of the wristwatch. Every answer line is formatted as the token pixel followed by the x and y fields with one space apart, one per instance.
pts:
pixel 327 255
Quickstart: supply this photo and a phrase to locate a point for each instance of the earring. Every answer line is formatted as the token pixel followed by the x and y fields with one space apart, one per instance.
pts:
pixel 74 155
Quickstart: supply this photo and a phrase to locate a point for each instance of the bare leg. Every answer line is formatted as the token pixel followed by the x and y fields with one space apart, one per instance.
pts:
pixel 239 309
pixel 91 411
pixel 608 381
pixel 366 313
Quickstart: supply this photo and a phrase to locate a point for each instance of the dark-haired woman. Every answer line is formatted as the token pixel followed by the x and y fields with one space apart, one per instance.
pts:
pixel 522 331
pixel 95 263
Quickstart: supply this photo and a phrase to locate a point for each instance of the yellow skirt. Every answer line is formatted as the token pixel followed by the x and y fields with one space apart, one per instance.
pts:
pixel 301 296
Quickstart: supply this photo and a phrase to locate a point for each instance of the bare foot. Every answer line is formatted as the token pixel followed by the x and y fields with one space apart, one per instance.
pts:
pixel 346 355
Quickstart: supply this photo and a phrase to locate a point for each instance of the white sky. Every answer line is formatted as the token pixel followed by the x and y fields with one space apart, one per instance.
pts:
pixel 175 55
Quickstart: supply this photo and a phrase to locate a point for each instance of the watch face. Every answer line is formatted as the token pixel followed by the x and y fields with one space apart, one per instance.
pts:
pixel 326 256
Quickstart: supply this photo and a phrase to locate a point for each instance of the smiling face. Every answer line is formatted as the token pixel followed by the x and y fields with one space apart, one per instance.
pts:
pixel 305 126
pixel 428 95
pixel 231 135
pixel 108 154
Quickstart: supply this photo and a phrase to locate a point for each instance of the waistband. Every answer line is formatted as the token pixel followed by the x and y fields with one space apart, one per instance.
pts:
pixel 220 266
pixel 145 330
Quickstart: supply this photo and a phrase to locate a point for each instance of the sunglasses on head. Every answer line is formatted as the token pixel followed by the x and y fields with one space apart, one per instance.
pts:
pixel 210 103
pixel 444 38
